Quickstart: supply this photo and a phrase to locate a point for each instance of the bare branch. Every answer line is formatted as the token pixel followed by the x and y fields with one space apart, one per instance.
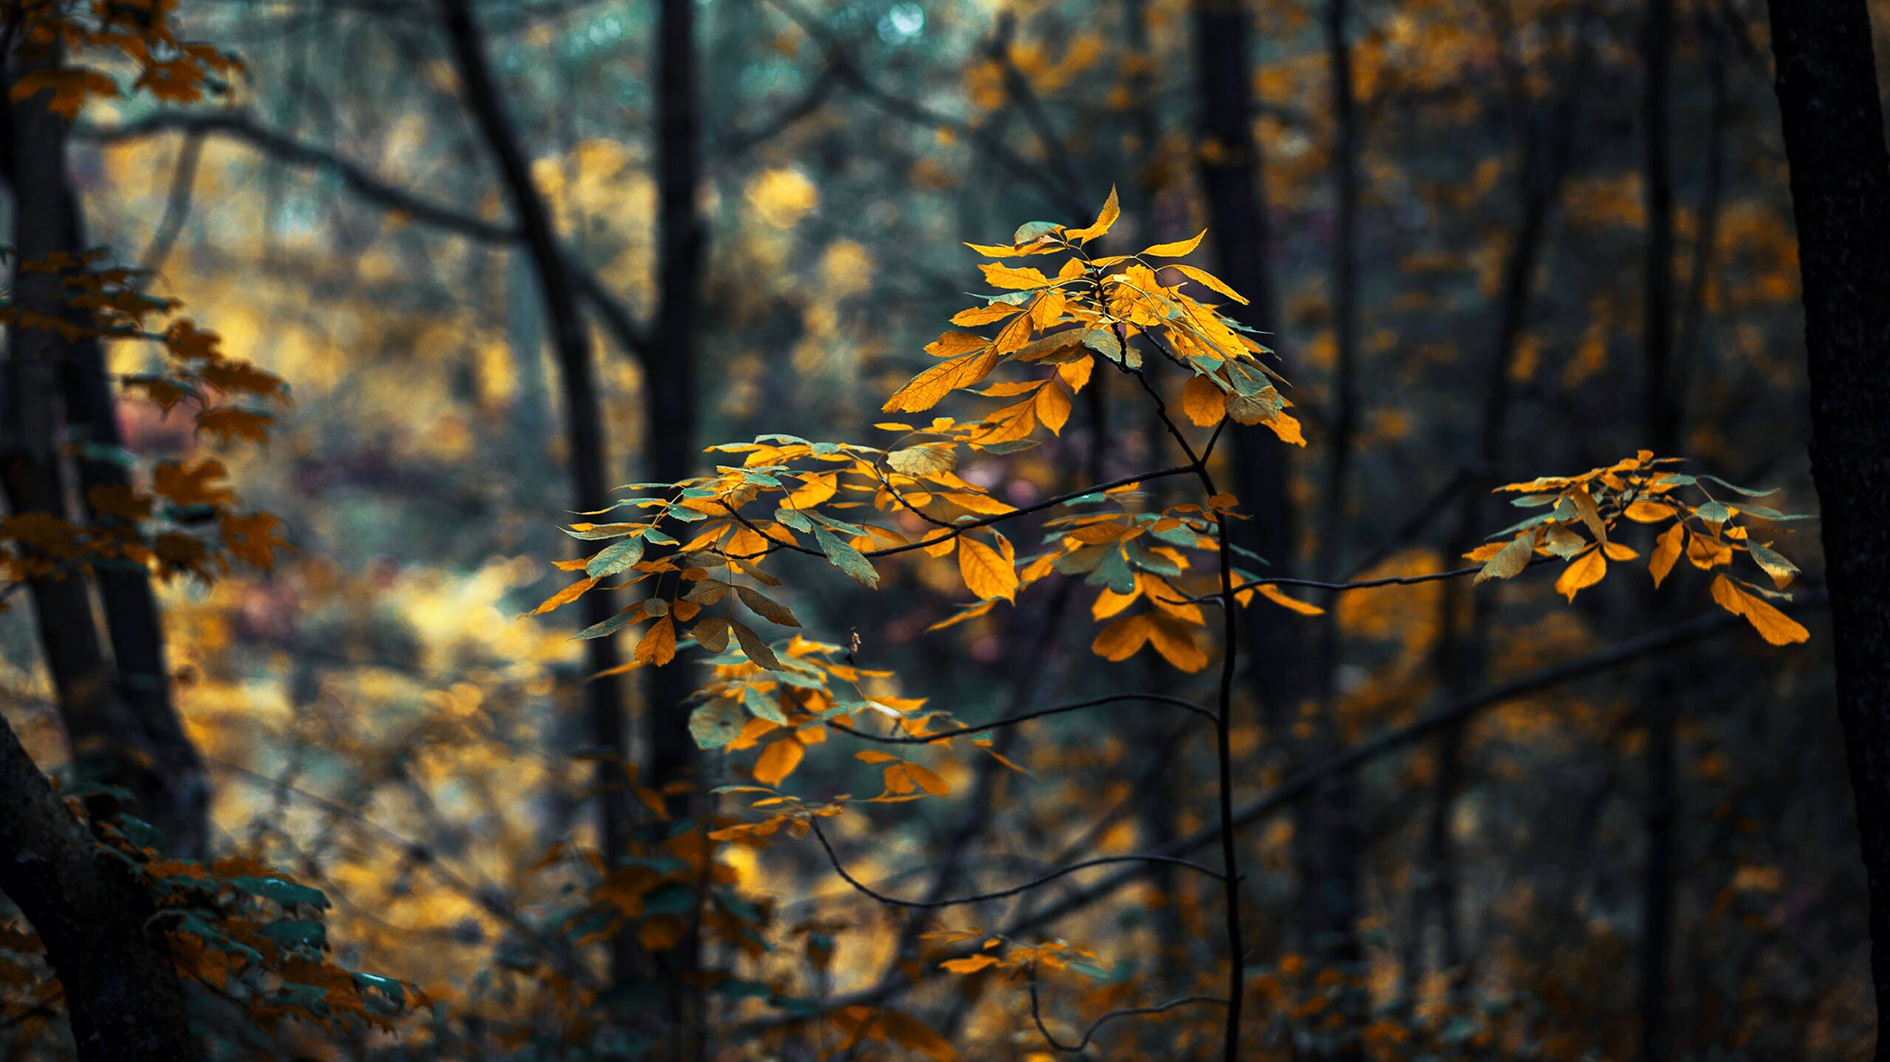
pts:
pixel 1037 882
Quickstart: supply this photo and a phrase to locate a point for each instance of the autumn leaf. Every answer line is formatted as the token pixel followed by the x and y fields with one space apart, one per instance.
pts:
pixel 1022 278
pixel 986 573
pixel 1110 212
pixel 1121 639
pixel 1272 593
pixel 969 965
pixel 1508 561
pixel 1052 407
pixel 1583 572
pixel 925 390
pixel 1774 626
pixel 1177 249
pixel 565 596
pixel 1204 403
pixel 1209 280
pixel 1666 551
pixel 658 645
pixel 778 760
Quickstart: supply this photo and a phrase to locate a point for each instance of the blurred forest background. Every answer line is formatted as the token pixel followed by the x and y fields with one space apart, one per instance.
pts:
pixel 1556 839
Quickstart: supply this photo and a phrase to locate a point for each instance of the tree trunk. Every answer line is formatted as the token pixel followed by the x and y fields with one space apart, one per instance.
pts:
pixel 122 994
pixel 669 386
pixel 1834 142
pixel 584 433
pixel 114 704
pixel 1661 408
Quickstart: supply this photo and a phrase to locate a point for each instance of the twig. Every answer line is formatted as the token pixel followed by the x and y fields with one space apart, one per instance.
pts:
pixel 945 735
pixel 1000 894
pixel 1109 1017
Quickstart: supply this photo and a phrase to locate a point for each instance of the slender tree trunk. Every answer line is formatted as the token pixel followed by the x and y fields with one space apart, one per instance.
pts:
pixel 669 384
pixel 114 699
pixel 122 994
pixel 1546 161
pixel 1661 411
pixel 1834 142
pixel 584 433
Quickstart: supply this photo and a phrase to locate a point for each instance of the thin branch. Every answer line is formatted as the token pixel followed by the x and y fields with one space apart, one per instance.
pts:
pixel 946 735
pixel 366 185
pixel 1106 1018
pixel 176 205
pixel 961 901
pixel 1365 752
pixel 899 107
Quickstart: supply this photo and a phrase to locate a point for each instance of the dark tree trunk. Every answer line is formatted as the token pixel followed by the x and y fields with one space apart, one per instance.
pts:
pixel 584 432
pixel 1834 142
pixel 1661 408
pixel 114 700
pixel 122 994
pixel 669 386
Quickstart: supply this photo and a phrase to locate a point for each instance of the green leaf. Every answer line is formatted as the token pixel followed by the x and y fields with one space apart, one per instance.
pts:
pixel 613 624
pixel 717 723
pixel 297 932
pixel 1747 491
pixel 1032 231
pixel 846 558
pixel 761 706
pixel 615 558
pixel 285 893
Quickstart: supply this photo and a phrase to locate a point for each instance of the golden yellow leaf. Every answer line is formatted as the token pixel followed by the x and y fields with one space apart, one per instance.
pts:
pixel 1176 249
pixel 927 780
pixel 565 596
pixel 969 965
pixel 1203 402
pixel 1619 552
pixel 1272 593
pixel 1014 334
pixel 1648 512
pixel 1774 626
pixel 1121 639
pixel 1020 278
pixel 1584 571
pixel 952 344
pixel 1053 407
pixel 658 645
pixel 778 760
pixel 1110 212
pixel 986 573
pixel 1209 280
pixel 1175 641
pixel 1047 309
pixel 981 315
pixel 1108 603
pixel 926 389
pixel 1666 551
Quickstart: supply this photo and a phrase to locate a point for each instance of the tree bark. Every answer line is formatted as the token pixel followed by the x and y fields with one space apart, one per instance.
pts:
pixel 1660 411
pixel 670 753
pixel 1840 180
pixel 122 994
pixel 114 701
